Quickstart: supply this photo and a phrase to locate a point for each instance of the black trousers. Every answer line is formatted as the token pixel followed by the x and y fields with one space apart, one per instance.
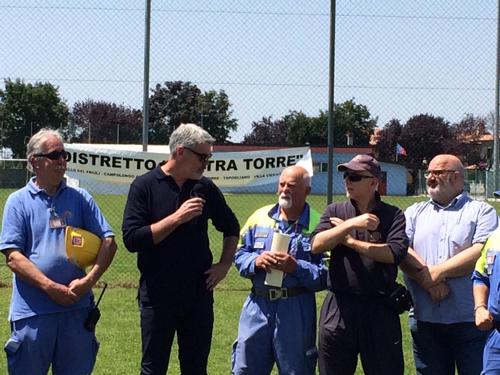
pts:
pixel 193 324
pixel 351 325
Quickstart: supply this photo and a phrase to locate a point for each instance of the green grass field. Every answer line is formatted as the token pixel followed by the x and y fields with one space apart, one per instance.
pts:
pixel 118 330
pixel 118 333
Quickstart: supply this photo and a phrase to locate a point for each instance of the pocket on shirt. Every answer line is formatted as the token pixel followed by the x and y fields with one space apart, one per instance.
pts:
pixel 461 237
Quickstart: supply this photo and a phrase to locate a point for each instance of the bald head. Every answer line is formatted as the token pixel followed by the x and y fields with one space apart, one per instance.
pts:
pixel 447 162
pixel 294 186
pixel 298 172
pixel 445 178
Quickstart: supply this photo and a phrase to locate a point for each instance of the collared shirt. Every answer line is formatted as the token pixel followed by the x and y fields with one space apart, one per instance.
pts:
pixel 352 273
pixel 26 227
pixel 256 237
pixel 438 233
pixel 173 270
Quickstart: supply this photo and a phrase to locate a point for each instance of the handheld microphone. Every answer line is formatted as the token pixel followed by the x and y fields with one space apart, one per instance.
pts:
pixel 198 191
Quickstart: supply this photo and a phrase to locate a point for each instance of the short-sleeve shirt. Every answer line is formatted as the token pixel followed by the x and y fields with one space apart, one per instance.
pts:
pixel 26 227
pixel 438 233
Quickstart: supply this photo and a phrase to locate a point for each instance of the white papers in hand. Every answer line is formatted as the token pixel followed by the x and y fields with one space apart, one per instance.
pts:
pixel 280 244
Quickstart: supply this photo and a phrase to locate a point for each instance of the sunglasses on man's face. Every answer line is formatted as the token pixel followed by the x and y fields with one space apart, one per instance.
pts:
pixel 354 177
pixel 54 155
pixel 203 157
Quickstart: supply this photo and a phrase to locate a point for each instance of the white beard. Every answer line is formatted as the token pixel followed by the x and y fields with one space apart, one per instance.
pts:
pixel 285 202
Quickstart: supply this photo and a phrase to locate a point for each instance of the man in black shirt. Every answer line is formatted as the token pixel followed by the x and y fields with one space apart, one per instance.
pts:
pixel 166 223
pixel 367 241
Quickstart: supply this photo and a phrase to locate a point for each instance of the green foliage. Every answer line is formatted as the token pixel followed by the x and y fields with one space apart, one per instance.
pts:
pixel 25 108
pixel 353 118
pixel 298 129
pixel 103 122
pixel 183 102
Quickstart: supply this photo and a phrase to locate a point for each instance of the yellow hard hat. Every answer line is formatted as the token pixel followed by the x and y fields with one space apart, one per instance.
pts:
pixel 81 246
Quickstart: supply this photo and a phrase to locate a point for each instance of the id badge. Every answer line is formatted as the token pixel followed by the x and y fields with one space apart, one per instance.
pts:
pixel 56 221
pixel 490 261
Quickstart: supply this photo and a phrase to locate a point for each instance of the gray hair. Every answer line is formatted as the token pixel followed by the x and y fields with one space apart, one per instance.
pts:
pixel 36 142
pixel 189 135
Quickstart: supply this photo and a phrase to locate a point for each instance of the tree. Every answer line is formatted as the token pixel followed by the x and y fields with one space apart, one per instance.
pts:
pixel 388 140
pixel 215 115
pixel 355 119
pixel 103 122
pixel 299 129
pixel 425 136
pixel 25 108
pixel 306 130
pixel 183 102
pixel 467 133
pixel 267 132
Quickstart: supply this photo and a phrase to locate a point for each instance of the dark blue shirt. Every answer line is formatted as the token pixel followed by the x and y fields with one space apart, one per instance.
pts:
pixel 174 269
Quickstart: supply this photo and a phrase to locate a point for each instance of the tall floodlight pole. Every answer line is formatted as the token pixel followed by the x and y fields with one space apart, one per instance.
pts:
pixel 145 99
pixel 497 109
pixel 331 114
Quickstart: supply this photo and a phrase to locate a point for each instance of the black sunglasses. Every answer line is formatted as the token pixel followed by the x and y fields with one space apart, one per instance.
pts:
pixel 203 157
pixel 54 155
pixel 353 177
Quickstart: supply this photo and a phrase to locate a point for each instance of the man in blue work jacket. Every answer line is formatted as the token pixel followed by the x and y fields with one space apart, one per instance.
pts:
pixel 279 324
pixel 486 278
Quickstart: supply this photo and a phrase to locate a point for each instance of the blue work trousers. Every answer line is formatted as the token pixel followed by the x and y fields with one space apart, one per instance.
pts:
pixel 282 331
pixel 57 339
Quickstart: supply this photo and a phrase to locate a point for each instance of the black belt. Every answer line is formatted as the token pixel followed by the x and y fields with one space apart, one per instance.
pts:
pixel 278 293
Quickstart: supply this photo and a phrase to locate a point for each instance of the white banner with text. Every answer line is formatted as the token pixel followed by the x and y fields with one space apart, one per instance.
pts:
pixel 100 169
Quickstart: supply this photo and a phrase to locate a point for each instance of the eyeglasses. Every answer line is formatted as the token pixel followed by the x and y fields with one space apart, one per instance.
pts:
pixel 54 155
pixel 203 157
pixel 438 172
pixel 353 177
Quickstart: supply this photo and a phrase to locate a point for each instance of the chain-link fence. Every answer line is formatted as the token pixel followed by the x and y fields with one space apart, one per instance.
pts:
pixel 399 59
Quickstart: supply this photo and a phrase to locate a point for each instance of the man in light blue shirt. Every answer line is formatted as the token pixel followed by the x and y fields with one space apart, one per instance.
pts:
pixel 51 296
pixel 446 236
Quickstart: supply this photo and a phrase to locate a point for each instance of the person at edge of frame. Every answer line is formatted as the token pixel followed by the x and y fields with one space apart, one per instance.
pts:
pixel 51 295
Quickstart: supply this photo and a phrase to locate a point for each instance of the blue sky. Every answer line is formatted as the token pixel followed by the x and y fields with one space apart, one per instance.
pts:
pixel 399 58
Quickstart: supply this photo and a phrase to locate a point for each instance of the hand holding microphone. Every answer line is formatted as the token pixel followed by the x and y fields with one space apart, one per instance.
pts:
pixel 198 200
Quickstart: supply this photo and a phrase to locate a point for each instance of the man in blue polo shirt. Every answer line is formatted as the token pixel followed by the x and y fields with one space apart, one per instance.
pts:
pixel 446 235
pixel 51 296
